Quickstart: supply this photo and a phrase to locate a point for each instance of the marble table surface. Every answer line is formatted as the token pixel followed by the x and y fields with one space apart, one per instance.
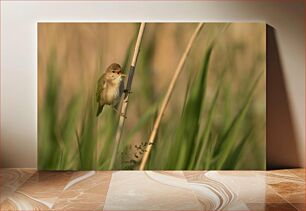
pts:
pixel 29 189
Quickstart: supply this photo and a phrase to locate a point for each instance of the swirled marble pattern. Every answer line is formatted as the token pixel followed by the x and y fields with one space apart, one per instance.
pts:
pixel 12 179
pixel 28 189
pixel 147 190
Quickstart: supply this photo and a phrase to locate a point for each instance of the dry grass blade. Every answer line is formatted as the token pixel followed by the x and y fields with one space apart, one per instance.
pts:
pixel 126 96
pixel 167 97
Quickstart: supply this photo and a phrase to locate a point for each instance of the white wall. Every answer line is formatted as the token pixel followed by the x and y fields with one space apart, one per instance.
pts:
pixel 19 56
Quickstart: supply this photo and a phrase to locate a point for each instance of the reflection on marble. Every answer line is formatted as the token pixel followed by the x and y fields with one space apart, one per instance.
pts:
pixel 298 172
pixel 147 190
pixel 289 185
pixel 40 191
pixel 86 190
pixel 271 207
pixel 27 189
pixel 241 182
pixel 272 196
pixel 213 194
pixel 11 179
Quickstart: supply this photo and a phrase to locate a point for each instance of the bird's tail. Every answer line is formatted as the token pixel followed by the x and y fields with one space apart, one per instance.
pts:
pixel 100 108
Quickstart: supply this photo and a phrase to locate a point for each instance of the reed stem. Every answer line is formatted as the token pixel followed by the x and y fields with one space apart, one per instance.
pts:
pixel 167 97
pixel 126 96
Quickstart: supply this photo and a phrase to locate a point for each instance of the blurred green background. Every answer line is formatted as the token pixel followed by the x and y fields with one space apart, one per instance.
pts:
pixel 216 117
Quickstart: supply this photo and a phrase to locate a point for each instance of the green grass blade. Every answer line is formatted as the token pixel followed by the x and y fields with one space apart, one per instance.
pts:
pixel 49 146
pixel 228 139
pixel 189 123
pixel 88 139
pixel 206 132
pixel 235 155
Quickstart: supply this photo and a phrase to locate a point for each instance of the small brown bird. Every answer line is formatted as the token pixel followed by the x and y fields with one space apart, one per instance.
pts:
pixel 110 88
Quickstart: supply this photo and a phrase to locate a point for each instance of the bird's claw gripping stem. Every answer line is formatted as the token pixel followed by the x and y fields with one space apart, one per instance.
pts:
pixel 122 114
pixel 127 91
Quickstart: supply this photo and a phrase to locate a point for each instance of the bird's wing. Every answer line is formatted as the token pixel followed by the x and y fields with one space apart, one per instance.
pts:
pixel 100 87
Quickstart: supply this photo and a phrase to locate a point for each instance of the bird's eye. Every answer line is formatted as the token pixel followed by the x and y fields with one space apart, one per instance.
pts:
pixel 113 71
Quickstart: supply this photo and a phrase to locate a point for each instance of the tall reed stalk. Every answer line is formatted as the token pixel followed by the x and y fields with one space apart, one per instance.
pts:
pixel 126 96
pixel 168 95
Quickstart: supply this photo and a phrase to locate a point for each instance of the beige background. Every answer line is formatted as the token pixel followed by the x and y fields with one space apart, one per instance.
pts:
pixel 19 59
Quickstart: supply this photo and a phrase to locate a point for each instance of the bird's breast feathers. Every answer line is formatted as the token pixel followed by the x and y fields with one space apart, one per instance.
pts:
pixel 111 92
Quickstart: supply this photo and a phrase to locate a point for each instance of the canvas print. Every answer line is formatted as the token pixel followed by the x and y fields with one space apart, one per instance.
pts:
pixel 151 96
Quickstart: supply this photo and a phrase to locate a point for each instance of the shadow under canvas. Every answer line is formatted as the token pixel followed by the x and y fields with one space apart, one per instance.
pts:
pixel 281 148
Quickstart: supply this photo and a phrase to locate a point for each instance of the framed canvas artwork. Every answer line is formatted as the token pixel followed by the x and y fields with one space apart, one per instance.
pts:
pixel 151 96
